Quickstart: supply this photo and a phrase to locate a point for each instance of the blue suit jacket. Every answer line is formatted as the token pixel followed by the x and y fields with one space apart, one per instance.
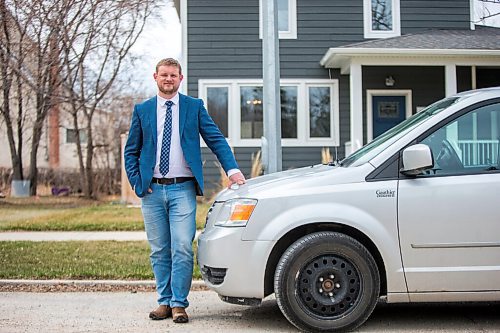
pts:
pixel 194 120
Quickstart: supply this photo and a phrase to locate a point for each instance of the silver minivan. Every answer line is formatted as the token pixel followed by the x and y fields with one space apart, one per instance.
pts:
pixel 413 216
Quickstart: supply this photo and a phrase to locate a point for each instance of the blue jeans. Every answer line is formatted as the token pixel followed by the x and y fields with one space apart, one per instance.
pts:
pixel 170 221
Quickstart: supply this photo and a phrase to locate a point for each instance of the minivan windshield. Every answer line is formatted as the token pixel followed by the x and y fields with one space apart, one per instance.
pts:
pixel 373 148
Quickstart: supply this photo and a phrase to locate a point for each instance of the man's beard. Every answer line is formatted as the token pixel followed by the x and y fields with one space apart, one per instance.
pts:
pixel 167 91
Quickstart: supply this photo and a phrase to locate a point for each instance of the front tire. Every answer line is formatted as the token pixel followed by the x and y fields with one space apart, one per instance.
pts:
pixel 327 281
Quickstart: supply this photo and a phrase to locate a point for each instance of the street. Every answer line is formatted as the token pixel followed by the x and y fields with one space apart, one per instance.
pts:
pixel 128 312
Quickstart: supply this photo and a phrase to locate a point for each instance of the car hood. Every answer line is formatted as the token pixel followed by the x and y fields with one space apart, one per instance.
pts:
pixel 291 181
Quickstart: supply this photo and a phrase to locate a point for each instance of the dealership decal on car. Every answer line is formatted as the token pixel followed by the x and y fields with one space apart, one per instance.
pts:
pixel 385 193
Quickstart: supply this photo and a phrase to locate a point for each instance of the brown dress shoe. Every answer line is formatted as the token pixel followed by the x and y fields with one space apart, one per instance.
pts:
pixel 162 312
pixel 179 315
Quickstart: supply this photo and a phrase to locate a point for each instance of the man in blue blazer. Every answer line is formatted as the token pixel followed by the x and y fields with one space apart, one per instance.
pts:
pixel 164 167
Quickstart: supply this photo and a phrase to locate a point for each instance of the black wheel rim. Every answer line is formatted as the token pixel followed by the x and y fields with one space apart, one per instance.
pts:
pixel 328 286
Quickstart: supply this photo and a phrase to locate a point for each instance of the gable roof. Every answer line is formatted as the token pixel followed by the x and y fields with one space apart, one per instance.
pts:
pixel 427 47
pixel 483 38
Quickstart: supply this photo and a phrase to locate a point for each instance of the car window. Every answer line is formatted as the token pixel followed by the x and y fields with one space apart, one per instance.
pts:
pixel 469 144
pixel 384 140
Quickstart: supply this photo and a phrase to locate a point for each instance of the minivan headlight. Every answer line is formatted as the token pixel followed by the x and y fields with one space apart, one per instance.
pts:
pixel 235 213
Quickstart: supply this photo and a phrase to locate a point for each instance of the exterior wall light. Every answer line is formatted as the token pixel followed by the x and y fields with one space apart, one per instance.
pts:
pixel 389 81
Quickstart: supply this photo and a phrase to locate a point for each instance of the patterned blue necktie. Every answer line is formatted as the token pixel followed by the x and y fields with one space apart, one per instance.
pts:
pixel 165 143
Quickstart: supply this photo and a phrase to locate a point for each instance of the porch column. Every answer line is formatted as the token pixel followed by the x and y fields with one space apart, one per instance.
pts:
pixel 473 77
pixel 450 79
pixel 356 99
pixel 450 82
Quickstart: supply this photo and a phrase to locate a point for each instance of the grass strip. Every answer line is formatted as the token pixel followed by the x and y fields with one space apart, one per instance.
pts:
pixel 77 216
pixel 88 260
pixel 104 217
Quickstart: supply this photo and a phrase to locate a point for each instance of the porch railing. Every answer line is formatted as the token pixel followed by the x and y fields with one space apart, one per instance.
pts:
pixel 479 152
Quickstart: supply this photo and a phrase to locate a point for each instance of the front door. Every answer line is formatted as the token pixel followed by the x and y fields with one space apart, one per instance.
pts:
pixel 388 111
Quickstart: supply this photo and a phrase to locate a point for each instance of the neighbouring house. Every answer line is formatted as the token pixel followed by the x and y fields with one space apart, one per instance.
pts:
pixel 350 69
pixel 57 158
pixel 58 143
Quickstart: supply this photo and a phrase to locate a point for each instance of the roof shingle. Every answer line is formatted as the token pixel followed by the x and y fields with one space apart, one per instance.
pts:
pixel 482 38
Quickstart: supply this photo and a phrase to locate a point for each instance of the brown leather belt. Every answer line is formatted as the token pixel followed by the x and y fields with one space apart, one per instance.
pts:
pixel 170 181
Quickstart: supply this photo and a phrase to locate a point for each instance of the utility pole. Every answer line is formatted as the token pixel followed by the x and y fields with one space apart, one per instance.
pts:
pixel 271 142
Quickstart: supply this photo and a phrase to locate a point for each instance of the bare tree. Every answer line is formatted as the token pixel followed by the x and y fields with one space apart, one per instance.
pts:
pixel 29 39
pixel 94 50
pixel 108 126
pixel 56 52
pixel 12 37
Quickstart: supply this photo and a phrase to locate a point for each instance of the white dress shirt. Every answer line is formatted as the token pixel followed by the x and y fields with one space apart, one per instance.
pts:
pixel 178 166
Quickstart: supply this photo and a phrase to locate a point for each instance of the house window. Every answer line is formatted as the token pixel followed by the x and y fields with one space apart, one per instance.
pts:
pixel 287 19
pixel 288 100
pixel 252 119
pixel 71 136
pixel 309 110
pixel 252 116
pixel 320 113
pixel 218 107
pixel 381 18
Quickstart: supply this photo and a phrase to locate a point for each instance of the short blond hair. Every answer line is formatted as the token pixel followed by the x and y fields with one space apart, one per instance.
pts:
pixel 169 62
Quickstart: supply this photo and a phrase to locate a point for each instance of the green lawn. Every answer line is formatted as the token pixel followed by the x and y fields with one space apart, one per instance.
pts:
pixel 74 214
pixel 77 260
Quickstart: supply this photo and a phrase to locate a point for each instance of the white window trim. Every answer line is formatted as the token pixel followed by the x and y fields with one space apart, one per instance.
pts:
pixel 303 139
pixel 369 106
pixel 396 21
pixel 292 19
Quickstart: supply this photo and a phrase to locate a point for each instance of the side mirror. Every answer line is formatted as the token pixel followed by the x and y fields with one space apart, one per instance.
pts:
pixel 417 159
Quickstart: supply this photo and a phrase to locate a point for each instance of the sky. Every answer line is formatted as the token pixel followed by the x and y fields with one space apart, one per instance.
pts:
pixel 161 39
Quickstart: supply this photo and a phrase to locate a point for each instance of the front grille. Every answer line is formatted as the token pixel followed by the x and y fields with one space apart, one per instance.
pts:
pixel 214 275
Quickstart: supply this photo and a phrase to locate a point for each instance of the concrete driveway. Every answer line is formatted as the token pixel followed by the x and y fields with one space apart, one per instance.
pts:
pixel 128 312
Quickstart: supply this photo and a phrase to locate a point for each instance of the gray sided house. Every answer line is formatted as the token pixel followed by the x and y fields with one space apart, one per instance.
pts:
pixel 350 69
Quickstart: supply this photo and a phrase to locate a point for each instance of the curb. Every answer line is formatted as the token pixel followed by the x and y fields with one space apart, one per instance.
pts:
pixel 81 282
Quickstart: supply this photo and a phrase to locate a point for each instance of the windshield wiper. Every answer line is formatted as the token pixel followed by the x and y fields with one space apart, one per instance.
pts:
pixel 333 163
